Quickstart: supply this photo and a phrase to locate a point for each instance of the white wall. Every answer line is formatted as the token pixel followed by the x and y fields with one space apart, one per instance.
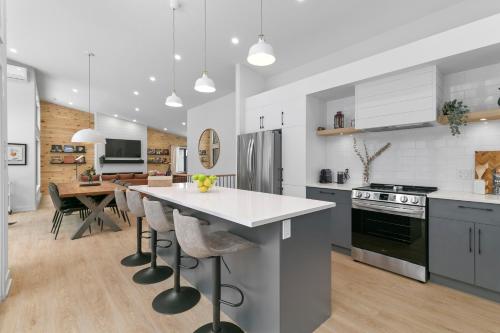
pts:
pixel 114 128
pixel 461 13
pixel 220 115
pixel 247 83
pixel 22 128
pixel 428 156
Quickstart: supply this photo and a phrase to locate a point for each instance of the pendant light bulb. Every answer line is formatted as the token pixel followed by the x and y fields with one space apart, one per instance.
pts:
pixel 88 135
pixel 261 53
pixel 174 101
pixel 204 84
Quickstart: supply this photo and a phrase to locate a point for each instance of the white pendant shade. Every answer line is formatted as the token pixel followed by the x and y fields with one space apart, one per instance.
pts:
pixel 174 101
pixel 204 84
pixel 261 53
pixel 88 135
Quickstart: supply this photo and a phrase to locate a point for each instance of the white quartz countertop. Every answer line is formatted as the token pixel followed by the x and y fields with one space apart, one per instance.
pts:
pixel 247 208
pixel 466 196
pixel 334 186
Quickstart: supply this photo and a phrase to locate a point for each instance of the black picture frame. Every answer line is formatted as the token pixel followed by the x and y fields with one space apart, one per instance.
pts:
pixel 56 149
pixel 80 149
pixel 14 149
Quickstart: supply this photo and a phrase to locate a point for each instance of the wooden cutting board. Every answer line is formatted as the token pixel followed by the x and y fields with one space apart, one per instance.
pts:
pixel 486 164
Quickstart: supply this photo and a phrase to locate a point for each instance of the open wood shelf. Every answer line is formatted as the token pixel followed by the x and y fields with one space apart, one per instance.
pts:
pixel 475 116
pixel 337 131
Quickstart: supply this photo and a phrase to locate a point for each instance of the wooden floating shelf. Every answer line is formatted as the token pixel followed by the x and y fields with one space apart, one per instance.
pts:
pixel 476 116
pixel 67 163
pixel 337 131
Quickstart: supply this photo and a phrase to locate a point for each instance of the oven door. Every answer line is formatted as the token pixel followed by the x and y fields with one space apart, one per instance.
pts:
pixel 398 231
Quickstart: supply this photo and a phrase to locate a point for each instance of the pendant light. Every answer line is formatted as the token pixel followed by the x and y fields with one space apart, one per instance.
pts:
pixel 88 135
pixel 261 53
pixel 173 100
pixel 204 84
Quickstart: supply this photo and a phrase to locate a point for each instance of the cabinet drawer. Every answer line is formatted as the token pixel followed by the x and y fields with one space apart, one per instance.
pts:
pixel 324 194
pixel 465 211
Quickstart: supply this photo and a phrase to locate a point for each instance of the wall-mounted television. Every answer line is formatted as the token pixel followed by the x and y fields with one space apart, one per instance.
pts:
pixel 119 148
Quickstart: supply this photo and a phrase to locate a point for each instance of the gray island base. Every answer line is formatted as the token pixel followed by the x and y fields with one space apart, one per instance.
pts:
pixel 286 282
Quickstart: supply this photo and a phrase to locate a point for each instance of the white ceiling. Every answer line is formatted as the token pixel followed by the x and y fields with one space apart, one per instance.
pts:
pixel 132 41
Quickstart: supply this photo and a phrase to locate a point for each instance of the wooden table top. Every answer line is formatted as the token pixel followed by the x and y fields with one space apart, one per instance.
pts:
pixel 74 189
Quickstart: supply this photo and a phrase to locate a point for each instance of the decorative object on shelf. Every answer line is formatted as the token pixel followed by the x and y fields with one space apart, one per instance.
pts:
pixel 498 102
pixel 56 160
pixel 80 149
pixel 320 128
pixel 173 100
pixel 204 84
pixel 338 120
pixel 56 149
pixel 209 148
pixel 158 160
pixel 367 159
pixel 157 151
pixel 89 134
pixel 486 164
pixel 69 148
pixel 261 53
pixel 69 159
pixel 16 154
pixel 205 182
pixel 456 111
pixel 353 123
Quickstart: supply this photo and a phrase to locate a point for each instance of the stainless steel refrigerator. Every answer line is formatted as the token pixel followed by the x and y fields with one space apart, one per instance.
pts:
pixel 259 162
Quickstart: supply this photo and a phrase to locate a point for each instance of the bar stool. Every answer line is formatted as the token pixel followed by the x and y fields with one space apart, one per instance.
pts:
pixel 177 299
pixel 198 242
pixel 154 273
pixel 139 258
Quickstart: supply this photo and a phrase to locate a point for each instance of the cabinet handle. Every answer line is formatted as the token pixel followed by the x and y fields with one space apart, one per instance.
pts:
pixel 263 122
pixel 260 122
pixel 476 208
pixel 470 240
pixel 282 118
pixel 479 241
pixel 324 192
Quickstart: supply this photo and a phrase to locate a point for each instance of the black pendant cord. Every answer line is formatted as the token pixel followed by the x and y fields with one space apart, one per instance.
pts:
pixel 261 19
pixel 205 37
pixel 90 55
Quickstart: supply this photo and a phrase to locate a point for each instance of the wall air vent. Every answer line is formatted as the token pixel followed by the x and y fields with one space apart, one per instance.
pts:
pixel 17 72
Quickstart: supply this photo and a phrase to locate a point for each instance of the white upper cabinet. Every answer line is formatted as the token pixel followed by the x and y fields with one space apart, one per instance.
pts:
pixel 398 100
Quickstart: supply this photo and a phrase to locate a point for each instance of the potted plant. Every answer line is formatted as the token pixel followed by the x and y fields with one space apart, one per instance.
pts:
pixel 456 111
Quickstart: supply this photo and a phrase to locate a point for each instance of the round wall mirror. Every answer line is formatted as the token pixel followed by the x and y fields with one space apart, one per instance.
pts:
pixel 209 148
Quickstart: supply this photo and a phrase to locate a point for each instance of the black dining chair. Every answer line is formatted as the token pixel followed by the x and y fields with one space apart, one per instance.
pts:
pixel 64 207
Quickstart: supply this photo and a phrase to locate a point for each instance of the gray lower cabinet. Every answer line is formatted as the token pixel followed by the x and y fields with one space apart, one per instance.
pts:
pixel 451 249
pixel 488 256
pixel 464 242
pixel 340 214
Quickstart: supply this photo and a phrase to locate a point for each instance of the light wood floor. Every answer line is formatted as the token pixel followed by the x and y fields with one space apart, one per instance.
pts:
pixel 80 286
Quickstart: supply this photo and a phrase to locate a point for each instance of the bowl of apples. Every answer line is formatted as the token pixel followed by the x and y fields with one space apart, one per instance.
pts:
pixel 205 182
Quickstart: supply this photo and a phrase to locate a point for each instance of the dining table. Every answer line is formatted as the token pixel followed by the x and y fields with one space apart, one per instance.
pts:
pixel 95 198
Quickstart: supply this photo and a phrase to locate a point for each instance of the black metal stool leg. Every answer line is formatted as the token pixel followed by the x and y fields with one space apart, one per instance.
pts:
pixel 139 258
pixel 179 298
pixel 154 273
pixel 216 325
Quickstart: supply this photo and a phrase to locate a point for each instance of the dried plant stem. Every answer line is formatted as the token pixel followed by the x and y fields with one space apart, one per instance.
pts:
pixel 367 159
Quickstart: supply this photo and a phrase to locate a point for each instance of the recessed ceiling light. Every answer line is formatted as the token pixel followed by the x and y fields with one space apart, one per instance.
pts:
pixel 115 115
pixel 483 119
pixel 137 109
pixel 136 92
pixel 235 40
pixel 300 0
pixel 152 79
pixel 165 129
pixel 75 90
pixel 134 120
pixel 12 50
pixel 183 123
pixel 70 103
pixel 178 57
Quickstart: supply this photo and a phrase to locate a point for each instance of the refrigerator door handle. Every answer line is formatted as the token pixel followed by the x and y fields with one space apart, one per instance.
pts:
pixel 250 163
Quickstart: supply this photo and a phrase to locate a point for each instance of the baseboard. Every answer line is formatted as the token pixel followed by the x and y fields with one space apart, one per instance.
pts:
pixel 465 287
pixel 341 250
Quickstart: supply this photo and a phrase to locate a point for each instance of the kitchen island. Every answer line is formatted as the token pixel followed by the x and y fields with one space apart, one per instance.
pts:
pixel 287 279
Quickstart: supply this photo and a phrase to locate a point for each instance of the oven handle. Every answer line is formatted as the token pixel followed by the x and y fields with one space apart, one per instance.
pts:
pixel 418 212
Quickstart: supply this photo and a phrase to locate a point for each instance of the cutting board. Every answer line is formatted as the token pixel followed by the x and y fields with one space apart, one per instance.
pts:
pixel 486 163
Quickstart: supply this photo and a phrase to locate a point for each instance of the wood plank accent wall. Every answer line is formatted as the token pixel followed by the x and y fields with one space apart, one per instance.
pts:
pixel 161 140
pixel 58 124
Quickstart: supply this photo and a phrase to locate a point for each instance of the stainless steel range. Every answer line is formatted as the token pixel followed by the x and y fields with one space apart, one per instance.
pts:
pixel 390 228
